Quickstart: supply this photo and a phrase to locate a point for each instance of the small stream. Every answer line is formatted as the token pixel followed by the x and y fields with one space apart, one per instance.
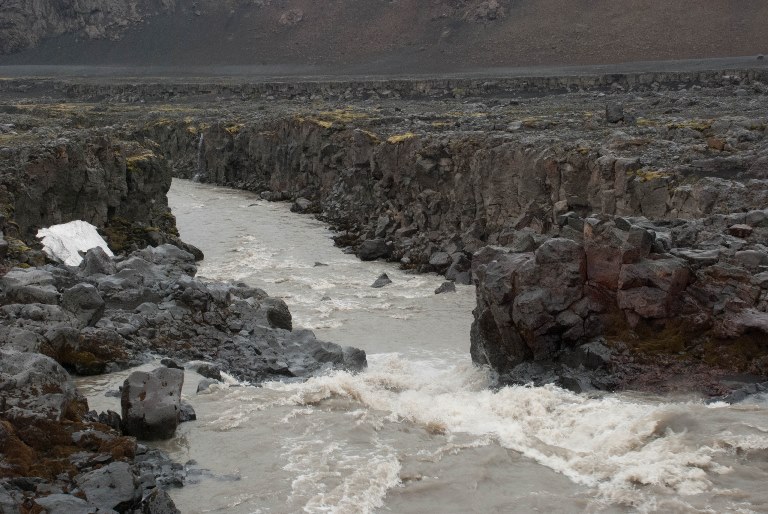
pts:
pixel 420 431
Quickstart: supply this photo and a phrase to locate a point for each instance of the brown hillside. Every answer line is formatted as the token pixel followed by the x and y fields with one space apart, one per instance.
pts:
pixel 404 35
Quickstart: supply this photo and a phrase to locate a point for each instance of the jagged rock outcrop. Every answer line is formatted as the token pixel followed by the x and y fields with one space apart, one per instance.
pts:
pixel 684 289
pixel 118 187
pixel 151 302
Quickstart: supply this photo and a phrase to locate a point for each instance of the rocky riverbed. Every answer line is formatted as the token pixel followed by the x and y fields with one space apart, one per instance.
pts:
pixel 107 315
pixel 616 235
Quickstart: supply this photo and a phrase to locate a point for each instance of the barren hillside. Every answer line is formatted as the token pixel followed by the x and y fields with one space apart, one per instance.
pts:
pixel 378 35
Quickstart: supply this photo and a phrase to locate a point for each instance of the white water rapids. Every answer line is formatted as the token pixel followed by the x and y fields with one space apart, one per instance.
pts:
pixel 420 431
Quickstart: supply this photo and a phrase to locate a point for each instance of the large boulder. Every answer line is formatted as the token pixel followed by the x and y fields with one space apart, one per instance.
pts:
pixel 112 487
pixel 34 386
pixel 151 403
pixel 372 249
pixel 29 286
pixel 85 302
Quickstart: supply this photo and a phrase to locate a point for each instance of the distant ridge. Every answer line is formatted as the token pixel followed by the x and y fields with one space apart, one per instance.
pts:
pixel 379 36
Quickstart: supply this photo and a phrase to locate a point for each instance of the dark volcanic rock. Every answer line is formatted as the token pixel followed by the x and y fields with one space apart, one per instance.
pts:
pixel 302 206
pixel 373 249
pixel 96 261
pixel 446 287
pixel 159 502
pixel 29 286
pixel 151 402
pixel 186 412
pixel 209 371
pixel 614 112
pixel 85 302
pixel 36 386
pixel 548 306
pixel 382 281
pixel 111 487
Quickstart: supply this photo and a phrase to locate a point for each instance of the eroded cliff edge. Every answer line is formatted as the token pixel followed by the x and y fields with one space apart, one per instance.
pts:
pixel 428 173
pixel 633 221
pixel 616 233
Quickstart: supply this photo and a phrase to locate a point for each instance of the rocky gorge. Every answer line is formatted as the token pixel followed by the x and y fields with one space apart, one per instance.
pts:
pixel 616 235
pixel 634 218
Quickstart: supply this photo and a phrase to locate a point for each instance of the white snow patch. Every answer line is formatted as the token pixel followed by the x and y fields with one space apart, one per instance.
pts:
pixel 65 242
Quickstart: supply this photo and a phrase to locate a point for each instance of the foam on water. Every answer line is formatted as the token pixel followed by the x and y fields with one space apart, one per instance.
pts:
pixel 422 422
pixel 628 451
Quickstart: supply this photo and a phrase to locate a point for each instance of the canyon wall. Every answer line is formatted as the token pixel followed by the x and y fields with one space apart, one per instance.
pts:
pixel 117 186
pixel 163 90
pixel 570 240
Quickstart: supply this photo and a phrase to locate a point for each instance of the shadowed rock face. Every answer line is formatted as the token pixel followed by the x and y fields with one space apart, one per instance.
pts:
pixel 694 295
pixel 119 188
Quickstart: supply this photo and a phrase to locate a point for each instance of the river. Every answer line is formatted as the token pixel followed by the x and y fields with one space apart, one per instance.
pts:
pixel 421 431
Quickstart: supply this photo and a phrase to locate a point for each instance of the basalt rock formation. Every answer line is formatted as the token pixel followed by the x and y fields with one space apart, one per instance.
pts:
pixel 111 314
pixel 117 186
pixel 683 170
pixel 649 290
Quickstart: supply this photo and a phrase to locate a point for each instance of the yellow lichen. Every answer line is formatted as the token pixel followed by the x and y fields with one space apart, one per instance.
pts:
pixel 646 174
pixel 698 125
pixel 132 162
pixel 321 123
pixel 399 138
pixel 372 136
pixel 645 122
pixel 234 128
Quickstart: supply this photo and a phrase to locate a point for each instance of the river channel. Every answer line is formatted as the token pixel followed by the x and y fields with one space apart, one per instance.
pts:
pixel 421 431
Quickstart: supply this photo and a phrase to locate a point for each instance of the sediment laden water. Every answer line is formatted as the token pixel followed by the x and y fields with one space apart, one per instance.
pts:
pixel 420 430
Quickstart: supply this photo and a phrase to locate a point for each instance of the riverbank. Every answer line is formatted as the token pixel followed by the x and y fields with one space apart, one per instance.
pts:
pixel 429 172
pixel 615 234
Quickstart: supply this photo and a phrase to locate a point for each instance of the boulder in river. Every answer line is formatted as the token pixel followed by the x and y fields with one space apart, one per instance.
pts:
pixel 382 281
pixel 151 402
pixel 372 249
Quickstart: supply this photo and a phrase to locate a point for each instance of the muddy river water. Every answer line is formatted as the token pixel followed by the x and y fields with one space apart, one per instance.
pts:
pixel 420 431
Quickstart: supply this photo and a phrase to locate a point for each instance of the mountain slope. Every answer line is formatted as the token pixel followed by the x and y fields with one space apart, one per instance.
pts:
pixel 387 35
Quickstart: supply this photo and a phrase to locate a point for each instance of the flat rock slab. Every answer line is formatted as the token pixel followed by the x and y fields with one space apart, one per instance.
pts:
pixel 111 487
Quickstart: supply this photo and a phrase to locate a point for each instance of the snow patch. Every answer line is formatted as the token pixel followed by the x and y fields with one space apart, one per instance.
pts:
pixel 65 242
